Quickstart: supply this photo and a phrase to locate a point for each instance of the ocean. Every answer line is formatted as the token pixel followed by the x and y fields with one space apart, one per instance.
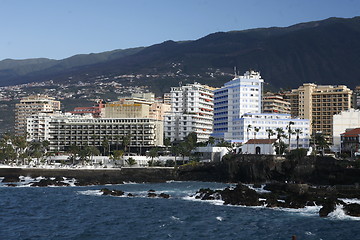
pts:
pixel 83 213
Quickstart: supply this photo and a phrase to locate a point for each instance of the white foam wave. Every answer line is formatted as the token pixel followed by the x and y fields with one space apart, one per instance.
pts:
pixel 175 219
pixel 350 200
pixel 91 192
pixel 258 190
pixel 219 218
pixel 130 183
pixel 339 214
pixel 214 202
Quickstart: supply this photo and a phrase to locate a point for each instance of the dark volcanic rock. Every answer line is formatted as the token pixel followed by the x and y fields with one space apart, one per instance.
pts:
pixel 207 194
pixel 11 179
pixel 352 209
pixel 328 206
pixel 113 192
pixel 48 182
pixel 164 195
pixel 240 195
pixel 11 185
pixel 152 195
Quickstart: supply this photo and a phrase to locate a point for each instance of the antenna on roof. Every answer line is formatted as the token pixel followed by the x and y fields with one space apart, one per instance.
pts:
pixel 235 71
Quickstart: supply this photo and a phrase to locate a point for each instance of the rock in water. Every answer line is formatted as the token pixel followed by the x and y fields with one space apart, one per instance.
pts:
pixel 352 209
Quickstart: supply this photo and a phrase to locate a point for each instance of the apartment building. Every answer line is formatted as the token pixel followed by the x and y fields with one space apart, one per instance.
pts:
pixel 32 105
pixel 275 103
pixel 64 130
pixel 241 95
pixel 319 103
pixel 191 111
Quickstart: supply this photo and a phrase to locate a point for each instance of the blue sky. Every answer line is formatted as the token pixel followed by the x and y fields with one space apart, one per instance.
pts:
pixel 61 28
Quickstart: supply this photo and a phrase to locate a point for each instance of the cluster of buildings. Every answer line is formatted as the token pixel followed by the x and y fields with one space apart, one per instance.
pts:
pixel 238 112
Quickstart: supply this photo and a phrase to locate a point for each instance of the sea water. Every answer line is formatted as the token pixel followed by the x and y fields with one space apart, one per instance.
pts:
pixel 84 213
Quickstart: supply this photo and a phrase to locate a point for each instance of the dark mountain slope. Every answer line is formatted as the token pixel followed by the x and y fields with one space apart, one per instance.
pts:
pixel 323 52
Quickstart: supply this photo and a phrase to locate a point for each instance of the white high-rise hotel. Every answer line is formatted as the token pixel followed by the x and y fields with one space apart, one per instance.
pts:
pixel 237 113
pixel 241 95
pixel 191 111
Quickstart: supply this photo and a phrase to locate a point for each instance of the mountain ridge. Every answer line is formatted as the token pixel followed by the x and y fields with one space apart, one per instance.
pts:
pixel 317 51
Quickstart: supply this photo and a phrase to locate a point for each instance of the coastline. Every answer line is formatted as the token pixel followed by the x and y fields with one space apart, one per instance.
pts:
pixel 94 176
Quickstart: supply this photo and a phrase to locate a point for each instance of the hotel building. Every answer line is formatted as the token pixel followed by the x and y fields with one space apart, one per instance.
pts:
pixel 64 130
pixel 32 105
pixel 319 103
pixel 241 95
pixel 244 128
pixel 191 111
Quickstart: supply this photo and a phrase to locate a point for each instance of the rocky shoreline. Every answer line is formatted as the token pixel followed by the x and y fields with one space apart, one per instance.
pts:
pixel 284 195
pixel 294 183
pixel 85 177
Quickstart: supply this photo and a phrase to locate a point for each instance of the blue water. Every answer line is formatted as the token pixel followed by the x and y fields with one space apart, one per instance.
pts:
pixel 82 213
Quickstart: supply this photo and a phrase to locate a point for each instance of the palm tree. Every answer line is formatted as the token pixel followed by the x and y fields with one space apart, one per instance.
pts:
pixel 106 145
pixel 126 140
pixel 248 129
pixel 321 142
pixel 93 151
pixel 118 154
pixel 270 133
pixel 211 141
pixel 153 153
pixel 20 144
pixel 280 134
pixel 297 132
pixel 167 143
pixel 74 151
pixel 256 130
pixel 290 131
pixel 175 150
pixel 117 139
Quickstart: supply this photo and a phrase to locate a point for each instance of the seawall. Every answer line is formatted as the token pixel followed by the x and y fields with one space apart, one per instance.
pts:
pixel 96 176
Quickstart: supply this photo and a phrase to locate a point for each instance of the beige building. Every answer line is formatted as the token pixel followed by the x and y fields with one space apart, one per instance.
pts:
pixel 33 105
pixel 319 103
pixel 275 103
pixel 136 106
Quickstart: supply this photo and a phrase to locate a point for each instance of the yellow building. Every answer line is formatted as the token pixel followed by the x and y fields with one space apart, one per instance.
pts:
pixel 319 103
pixel 33 105
pixel 136 107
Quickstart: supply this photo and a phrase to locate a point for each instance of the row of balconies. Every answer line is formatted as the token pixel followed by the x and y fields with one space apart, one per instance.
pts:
pixel 109 128
pixel 100 132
